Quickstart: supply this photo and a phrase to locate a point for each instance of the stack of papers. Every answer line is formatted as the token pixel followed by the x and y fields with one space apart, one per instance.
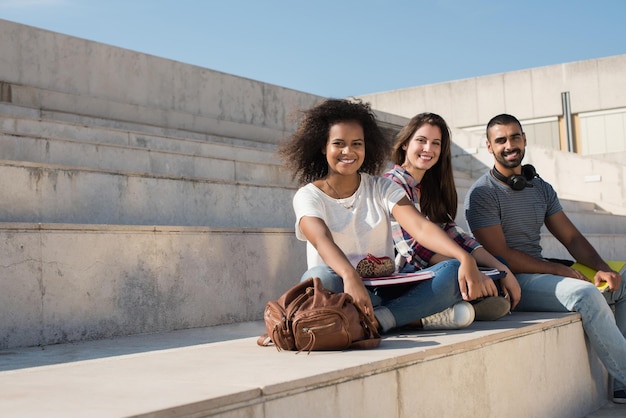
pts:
pixel 493 274
pixel 403 278
pixel 399 278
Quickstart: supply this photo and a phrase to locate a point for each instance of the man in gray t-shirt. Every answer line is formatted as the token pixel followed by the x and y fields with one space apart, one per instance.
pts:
pixel 506 209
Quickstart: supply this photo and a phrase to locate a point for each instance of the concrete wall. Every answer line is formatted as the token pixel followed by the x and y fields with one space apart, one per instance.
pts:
pixel 105 81
pixel 597 85
pixel 63 283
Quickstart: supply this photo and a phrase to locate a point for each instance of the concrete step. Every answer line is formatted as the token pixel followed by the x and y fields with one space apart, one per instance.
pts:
pixel 80 141
pixel 610 246
pixel 159 130
pixel 140 160
pixel 64 283
pixel 598 223
pixel 35 192
pixel 100 146
pixel 207 109
pixel 480 371
pixel 64 118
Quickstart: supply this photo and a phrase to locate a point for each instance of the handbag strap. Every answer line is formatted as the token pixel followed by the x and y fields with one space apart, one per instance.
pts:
pixel 264 340
pixel 375 259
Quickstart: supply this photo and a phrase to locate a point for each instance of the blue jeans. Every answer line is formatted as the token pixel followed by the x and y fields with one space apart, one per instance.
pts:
pixel 606 331
pixel 396 306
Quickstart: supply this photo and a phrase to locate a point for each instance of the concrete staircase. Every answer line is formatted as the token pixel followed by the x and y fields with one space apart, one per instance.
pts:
pixel 115 230
pixel 143 227
pixel 120 272
pixel 66 172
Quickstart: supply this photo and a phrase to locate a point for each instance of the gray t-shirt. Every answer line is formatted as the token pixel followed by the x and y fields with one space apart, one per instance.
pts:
pixel 521 213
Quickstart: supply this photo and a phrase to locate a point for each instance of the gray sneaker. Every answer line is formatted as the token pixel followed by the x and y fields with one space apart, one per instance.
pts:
pixel 458 316
pixel 491 308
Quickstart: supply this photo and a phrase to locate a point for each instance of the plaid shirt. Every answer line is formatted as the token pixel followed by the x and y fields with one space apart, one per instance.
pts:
pixel 407 246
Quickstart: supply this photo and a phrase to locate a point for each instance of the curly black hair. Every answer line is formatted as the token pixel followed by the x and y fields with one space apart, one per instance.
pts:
pixel 302 154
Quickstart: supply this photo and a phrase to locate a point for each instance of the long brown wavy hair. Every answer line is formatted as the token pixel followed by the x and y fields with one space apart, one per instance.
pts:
pixel 438 199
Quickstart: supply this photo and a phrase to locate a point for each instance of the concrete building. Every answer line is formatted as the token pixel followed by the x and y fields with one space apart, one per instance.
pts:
pixel 578 107
pixel 574 116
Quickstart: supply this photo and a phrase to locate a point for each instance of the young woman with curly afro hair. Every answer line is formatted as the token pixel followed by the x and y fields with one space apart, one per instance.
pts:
pixel 343 210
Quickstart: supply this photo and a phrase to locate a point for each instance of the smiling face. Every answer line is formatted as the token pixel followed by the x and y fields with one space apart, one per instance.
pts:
pixel 422 150
pixel 507 143
pixel 345 149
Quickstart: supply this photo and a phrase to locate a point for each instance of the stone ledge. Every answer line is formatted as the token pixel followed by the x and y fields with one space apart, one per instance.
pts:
pixel 220 371
pixel 62 283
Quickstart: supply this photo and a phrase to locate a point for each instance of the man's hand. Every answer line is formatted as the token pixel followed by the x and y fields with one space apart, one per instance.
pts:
pixel 612 278
pixel 511 289
pixel 559 269
pixel 488 287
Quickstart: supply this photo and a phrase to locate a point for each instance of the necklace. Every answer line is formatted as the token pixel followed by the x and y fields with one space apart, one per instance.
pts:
pixel 346 202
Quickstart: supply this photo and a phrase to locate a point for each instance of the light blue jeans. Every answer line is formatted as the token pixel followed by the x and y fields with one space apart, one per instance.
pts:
pixel 395 306
pixel 606 331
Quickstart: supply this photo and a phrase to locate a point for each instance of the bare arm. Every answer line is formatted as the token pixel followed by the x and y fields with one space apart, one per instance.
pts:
pixel 437 240
pixel 483 258
pixel 510 286
pixel 318 234
pixel 564 230
pixel 492 239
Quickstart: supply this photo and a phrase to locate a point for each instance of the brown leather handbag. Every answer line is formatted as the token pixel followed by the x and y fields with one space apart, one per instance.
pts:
pixel 310 317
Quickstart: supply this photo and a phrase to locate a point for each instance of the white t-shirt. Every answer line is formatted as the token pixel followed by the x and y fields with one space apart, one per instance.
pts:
pixel 364 228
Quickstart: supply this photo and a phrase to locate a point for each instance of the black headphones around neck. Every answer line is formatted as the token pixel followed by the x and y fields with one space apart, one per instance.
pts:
pixel 517 181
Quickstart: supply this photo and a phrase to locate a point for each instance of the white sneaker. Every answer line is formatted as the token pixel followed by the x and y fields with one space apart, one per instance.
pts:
pixel 458 316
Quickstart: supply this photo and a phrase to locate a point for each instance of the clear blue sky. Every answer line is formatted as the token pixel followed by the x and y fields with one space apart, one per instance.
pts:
pixel 342 48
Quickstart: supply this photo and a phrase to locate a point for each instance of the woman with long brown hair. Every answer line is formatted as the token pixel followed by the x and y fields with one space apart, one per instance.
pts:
pixel 423 167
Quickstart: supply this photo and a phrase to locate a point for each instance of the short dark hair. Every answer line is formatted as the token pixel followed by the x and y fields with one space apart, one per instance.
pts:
pixel 502 119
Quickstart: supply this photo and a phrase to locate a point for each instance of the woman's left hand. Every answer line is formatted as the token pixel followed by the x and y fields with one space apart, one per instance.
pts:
pixel 470 279
pixel 511 289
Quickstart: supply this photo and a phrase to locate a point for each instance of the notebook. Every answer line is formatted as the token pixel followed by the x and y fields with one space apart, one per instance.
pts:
pixel 398 278
pixel 618 266
pixel 493 274
pixel 404 278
